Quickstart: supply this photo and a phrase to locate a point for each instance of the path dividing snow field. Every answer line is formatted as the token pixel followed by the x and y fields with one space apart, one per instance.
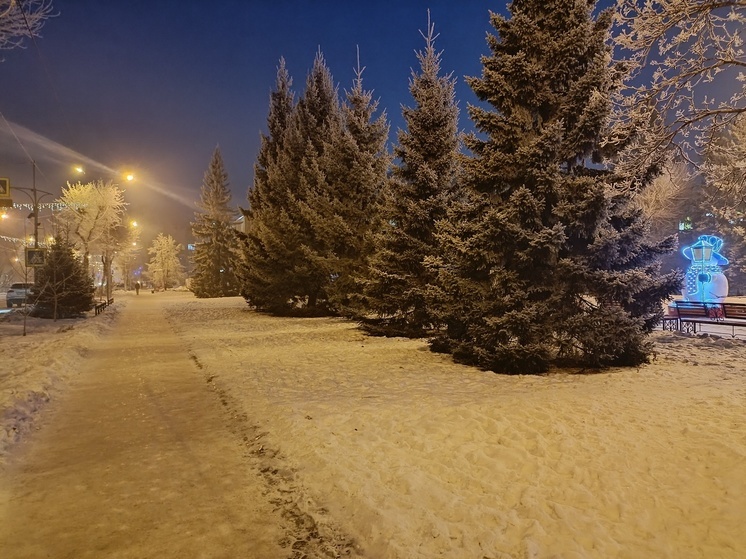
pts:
pixel 137 460
pixel 377 448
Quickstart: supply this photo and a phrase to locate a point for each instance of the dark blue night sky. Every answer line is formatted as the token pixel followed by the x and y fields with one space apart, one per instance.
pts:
pixel 155 85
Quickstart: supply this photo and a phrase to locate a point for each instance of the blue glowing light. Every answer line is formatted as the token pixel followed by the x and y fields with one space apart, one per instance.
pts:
pixel 704 280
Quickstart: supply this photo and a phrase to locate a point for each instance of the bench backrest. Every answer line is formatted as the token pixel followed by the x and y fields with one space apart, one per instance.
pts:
pixel 734 310
pixel 690 309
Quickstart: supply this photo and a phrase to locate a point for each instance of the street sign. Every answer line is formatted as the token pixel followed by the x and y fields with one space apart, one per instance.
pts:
pixel 4 188
pixel 35 257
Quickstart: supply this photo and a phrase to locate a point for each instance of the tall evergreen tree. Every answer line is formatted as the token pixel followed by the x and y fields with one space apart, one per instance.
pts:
pixel 266 192
pixel 339 204
pixel 550 262
pixel 282 271
pixel 416 197
pixel 215 251
pixel 65 288
pixel 263 254
pixel 317 123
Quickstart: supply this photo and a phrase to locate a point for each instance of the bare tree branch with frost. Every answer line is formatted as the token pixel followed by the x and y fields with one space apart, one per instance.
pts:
pixel 725 164
pixel 665 200
pixel 22 19
pixel 686 66
pixel 92 211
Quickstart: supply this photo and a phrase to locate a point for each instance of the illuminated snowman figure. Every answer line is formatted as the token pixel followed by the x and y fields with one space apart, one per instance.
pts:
pixel 704 280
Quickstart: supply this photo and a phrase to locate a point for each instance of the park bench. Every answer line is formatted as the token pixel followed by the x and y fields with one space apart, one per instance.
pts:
pixel 686 315
pixel 99 308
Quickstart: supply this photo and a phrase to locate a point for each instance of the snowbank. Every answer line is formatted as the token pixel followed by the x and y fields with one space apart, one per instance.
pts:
pixel 33 368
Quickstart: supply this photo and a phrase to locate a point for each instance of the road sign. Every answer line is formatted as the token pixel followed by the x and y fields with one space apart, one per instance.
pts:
pixel 4 188
pixel 35 257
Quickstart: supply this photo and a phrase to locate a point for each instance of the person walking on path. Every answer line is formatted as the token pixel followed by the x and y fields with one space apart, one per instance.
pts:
pixel 137 288
pixel 136 460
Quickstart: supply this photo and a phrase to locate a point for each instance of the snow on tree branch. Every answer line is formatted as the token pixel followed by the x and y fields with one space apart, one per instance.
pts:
pixel 725 164
pixel 686 59
pixel 22 19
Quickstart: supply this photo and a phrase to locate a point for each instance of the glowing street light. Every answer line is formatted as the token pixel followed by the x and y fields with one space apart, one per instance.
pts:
pixel 130 177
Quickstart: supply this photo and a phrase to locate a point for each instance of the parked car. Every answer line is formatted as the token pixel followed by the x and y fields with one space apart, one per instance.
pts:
pixel 18 293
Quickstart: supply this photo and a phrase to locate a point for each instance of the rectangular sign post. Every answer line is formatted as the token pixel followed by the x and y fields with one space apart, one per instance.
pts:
pixel 35 257
pixel 4 188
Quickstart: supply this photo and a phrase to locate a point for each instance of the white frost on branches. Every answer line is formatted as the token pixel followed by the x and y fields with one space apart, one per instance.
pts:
pixel 22 19
pixel 725 163
pixel 92 212
pixel 686 63
pixel 667 198
pixel 164 268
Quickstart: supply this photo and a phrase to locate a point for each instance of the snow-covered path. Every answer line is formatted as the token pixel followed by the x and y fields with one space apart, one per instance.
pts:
pixel 137 459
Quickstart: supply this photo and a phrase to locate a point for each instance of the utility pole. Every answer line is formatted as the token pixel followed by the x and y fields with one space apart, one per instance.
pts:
pixel 36 206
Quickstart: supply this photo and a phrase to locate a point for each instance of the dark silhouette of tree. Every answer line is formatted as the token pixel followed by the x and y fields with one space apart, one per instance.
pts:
pixel 64 287
pixel 416 197
pixel 215 238
pixel 340 204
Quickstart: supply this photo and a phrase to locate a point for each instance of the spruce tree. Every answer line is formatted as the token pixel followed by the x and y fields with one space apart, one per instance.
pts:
pixel 64 286
pixel 262 260
pixel 340 204
pixel 215 248
pixel 416 197
pixel 266 192
pixel 549 262
pixel 282 271
pixel 318 121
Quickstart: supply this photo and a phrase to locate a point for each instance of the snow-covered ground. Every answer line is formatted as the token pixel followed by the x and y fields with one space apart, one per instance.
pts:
pixel 416 457
pixel 35 366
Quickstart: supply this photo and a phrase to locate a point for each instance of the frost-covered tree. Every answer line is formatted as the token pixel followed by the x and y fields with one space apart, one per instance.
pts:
pixel 22 19
pixel 546 260
pixel 92 216
pixel 416 197
pixel 90 213
pixel 725 164
pixel 316 123
pixel 687 59
pixel 724 171
pixel 266 190
pixel 215 238
pixel 339 205
pixel 668 199
pixel 65 288
pixel 128 247
pixel 164 268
